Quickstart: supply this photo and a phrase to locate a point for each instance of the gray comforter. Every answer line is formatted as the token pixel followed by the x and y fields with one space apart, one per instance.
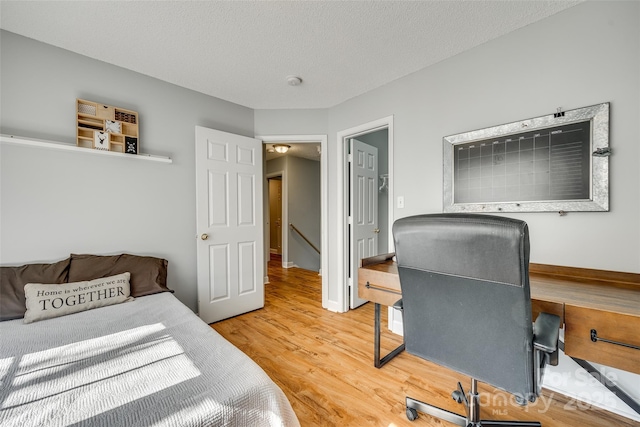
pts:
pixel 148 362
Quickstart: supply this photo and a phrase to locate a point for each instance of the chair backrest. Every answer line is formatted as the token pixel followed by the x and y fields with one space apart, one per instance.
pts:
pixel 466 298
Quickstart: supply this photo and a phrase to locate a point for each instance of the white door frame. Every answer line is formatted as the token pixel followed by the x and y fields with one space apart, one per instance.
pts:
pixel 324 203
pixel 342 305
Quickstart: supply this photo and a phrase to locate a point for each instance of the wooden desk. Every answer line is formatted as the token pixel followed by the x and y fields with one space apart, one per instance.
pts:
pixel 586 300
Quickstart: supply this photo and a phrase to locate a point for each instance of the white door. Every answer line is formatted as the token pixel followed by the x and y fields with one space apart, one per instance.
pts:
pixel 364 211
pixel 229 224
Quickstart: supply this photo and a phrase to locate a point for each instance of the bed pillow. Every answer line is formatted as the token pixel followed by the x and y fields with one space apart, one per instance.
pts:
pixel 45 301
pixel 13 279
pixel 148 274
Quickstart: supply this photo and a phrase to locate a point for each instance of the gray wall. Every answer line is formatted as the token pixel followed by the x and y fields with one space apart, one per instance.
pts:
pixel 291 122
pixel 276 165
pixel 582 56
pixel 303 185
pixel 54 202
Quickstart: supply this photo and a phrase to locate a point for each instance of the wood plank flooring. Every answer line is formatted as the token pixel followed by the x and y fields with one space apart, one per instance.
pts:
pixel 323 362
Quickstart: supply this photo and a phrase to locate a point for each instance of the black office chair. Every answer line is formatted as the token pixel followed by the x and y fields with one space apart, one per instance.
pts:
pixel 466 305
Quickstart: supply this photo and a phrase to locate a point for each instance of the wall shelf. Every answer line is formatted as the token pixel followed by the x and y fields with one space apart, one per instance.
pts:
pixel 19 140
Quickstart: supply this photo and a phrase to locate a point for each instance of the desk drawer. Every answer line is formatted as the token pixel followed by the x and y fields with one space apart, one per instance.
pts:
pixel 384 286
pixel 382 296
pixel 579 322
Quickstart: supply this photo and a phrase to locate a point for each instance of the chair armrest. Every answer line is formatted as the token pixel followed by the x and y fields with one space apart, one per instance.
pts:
pixel 398 305
pixel 546 331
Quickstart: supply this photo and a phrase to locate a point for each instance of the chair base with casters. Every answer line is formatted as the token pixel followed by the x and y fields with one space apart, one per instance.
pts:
pixel 472 406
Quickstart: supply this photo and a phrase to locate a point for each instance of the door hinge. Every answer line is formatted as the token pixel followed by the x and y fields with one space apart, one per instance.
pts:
pixel 350 158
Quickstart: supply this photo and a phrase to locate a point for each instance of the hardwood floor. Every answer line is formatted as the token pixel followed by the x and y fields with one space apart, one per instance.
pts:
pixel 323 361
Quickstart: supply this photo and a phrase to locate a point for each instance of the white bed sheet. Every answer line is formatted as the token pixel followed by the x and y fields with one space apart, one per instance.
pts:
pixel 148 362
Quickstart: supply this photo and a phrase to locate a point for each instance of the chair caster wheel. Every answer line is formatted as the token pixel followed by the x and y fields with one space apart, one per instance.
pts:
pixel 412 414
pixel 520 400
pixel 457 396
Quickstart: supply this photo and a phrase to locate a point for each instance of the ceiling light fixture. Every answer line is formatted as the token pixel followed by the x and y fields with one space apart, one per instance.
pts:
pixel 294 80
pixel 281 148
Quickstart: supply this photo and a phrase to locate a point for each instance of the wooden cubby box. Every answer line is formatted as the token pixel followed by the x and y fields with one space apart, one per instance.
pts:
pixel 105 127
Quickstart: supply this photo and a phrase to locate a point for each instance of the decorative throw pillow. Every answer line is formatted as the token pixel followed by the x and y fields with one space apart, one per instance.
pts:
pixel 13 279
pixel 148 274
pixel 45 301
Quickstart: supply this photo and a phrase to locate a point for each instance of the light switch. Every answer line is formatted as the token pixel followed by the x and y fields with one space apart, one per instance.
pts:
pixel 400 202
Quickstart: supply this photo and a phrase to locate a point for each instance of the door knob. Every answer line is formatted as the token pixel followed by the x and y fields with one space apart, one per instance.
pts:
pixel 204 236
pixel 376 230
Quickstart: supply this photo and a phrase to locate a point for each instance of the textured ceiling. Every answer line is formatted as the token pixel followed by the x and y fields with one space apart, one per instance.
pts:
pixel 242 51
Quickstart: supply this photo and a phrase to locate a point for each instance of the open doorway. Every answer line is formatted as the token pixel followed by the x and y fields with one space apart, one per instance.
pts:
pixel 293 177
pixel 289 236
pixel 367 201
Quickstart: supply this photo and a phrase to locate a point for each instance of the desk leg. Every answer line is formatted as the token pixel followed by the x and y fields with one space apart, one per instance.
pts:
pixel 377 362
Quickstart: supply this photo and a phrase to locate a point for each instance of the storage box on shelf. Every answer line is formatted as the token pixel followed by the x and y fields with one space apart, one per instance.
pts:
pixel 105 127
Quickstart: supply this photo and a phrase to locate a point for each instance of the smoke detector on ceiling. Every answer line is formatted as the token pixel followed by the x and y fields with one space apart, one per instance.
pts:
pixel 294 80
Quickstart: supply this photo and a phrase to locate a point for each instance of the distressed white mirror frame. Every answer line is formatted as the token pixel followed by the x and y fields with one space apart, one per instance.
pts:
pixel 599 176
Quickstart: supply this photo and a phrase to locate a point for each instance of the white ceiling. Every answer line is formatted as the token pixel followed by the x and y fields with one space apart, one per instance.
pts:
pixel 242 51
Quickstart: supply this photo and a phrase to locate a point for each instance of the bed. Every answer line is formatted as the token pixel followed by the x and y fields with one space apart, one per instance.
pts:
pixel 149 361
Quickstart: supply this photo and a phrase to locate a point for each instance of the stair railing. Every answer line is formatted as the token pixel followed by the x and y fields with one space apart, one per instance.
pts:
pixel 293 227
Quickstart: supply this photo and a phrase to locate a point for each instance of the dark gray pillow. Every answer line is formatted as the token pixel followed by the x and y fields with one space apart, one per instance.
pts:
pixel 148 274
pixel 13 279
